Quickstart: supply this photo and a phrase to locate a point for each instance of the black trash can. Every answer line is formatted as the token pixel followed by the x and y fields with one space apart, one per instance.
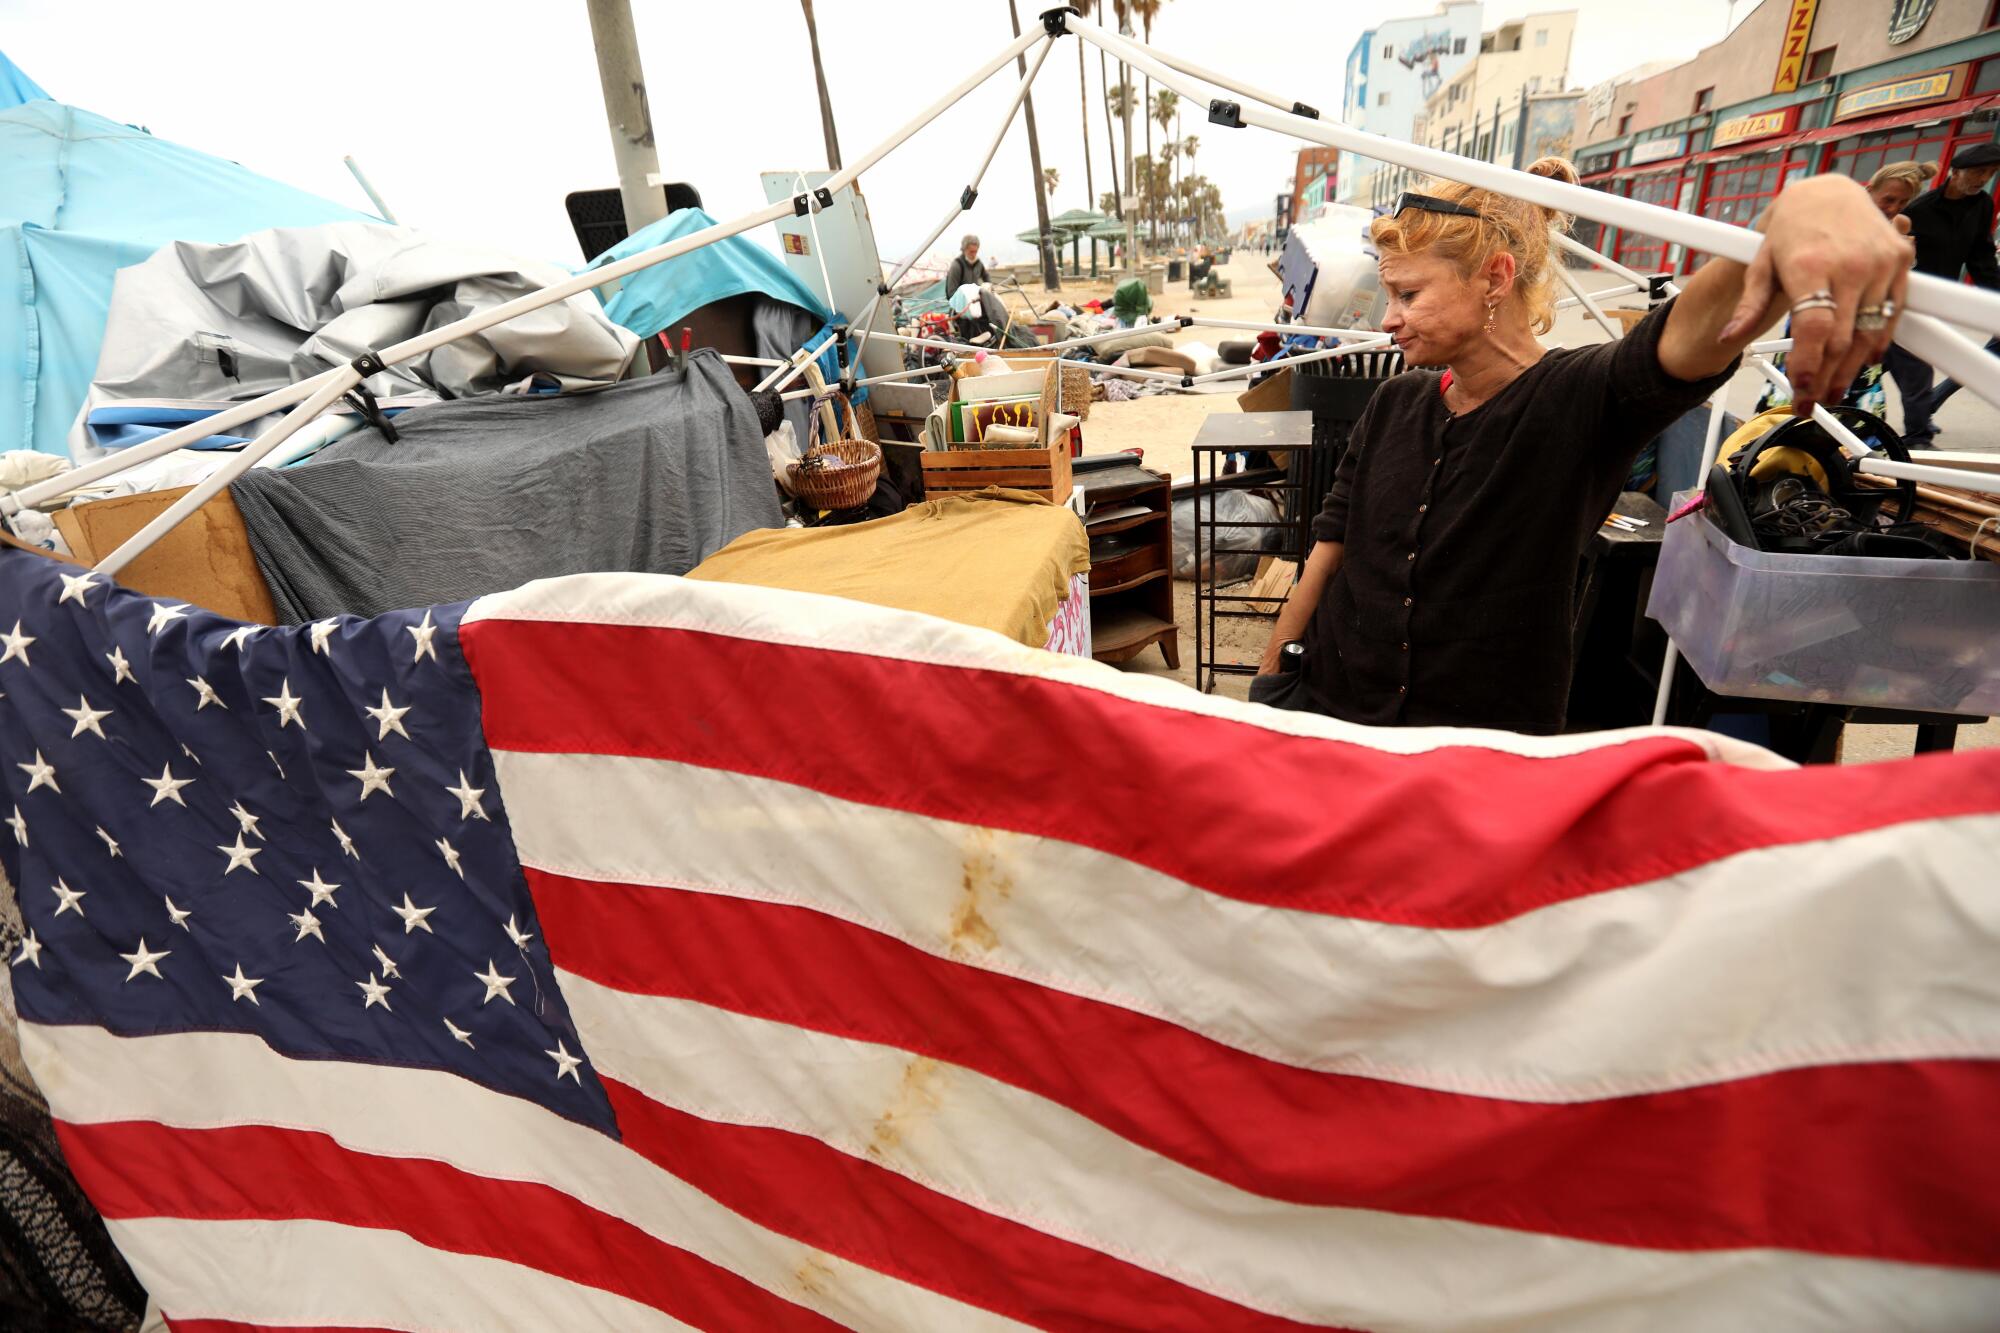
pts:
pixel 1335 391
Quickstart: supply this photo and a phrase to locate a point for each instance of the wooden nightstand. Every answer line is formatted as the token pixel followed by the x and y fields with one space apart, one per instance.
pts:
pixel 1131 562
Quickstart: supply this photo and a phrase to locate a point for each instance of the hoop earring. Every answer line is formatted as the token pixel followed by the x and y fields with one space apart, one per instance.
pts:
pixel 1490 317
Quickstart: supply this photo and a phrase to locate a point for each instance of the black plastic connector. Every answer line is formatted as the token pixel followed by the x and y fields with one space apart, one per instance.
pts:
pixel 1187 321
pixel 368 363
pixel 881 289
pixel 966 197
pixel 363 401
pixel 825 197
pixel 801 205
pixel 848 384
pixel 1055 22
pixel 1656 288
pixel 1225 113
pixel 1301 109
pixel 1187 381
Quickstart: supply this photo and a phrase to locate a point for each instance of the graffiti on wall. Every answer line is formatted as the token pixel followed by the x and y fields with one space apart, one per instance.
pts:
pixel 1422 55
pixel 1551 128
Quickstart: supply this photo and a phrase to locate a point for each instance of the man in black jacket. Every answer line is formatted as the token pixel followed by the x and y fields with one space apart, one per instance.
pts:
pixel 968 267
pixel 1952 226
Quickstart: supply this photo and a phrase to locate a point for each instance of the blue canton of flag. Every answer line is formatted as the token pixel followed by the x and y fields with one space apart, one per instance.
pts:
pixel 290 832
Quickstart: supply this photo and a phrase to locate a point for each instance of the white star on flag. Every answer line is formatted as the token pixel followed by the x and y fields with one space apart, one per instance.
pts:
pixel 206 695
pixel 239 636
pixel 389 968
pixel 17 645
pixel 321 891
pixel 423 634
pixel 242 987
pixel 86 718
pixel 178 915
pixel 144 961
pixel 110 843
pixel 346 843
pixel 76 585
pixel 164 615
pixel 68 899
pixel 495 983
pixel 41 773
pixel 413 915
pixel 516 934
pixel 121 670
pixel 31 952
pixel 390 717
pixel 565 1062
pixel 246 819
pixel 373 779
pixel 468 798
pixel 319 632
pixel 376 992
pixel 287 705
pixel 166 787
pixel 241 855
pixel 457 1033
pixel 19 825
pixel 450 854
pixel 308 924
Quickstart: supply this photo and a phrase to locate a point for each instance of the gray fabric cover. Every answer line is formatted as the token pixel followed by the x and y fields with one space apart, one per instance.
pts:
pixel 222 323
pixel 781 329
pixel 483 495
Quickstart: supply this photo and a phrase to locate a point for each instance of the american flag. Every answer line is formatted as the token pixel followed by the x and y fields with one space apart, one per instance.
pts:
pixel 630 953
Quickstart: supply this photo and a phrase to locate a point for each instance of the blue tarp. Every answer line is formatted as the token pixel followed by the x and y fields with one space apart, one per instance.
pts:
pixel 16 87
pixel 80 198
pixel 652 299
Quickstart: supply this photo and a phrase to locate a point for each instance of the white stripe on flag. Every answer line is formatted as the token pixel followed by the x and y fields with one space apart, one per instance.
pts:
pixel 92 1077
pixel 301 1272
pixel 1019 1156
pixel 836 624
pixel 1766 960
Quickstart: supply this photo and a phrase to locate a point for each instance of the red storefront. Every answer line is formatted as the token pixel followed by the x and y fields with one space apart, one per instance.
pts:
pixel 1752 157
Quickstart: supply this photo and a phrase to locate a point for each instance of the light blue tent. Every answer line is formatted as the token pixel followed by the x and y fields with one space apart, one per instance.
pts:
pixel 652 299
pixel 80 198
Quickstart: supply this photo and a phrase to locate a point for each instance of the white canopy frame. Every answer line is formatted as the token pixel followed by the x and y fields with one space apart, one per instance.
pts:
pixel 1929 299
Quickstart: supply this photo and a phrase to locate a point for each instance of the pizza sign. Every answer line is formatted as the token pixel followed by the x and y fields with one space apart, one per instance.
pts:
pixel 1792 52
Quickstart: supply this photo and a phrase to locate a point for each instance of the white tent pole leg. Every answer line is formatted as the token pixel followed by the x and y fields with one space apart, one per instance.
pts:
pixel 1709 448
pixel 1595 311
pixel 137 544
pixel 1603 261
pixel 971 191
pixel 1376 344
pixel 1619 289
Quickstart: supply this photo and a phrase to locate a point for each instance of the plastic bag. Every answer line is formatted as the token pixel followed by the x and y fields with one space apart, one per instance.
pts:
pixel 1230 553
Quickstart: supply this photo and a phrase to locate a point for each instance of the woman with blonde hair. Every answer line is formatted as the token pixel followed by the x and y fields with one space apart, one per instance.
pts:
pixel 1892 187
pixel 1441 588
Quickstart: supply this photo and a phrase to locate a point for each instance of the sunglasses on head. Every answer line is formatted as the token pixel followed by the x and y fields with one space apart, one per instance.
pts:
pixel 1431 204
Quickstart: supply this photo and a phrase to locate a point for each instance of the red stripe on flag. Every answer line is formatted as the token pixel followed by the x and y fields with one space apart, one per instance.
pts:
pixel 870 1215
pixel 140 1169
pixel 1459 837
pixel 1884 1160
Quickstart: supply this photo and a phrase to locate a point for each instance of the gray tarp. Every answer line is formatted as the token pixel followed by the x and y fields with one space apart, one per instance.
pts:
pixel 222 323
pixel 482 495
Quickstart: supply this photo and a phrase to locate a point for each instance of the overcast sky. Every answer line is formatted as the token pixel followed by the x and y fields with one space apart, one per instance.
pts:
pixel 475 120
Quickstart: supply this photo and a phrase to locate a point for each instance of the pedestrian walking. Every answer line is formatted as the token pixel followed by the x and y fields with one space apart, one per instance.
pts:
pixel 1952 226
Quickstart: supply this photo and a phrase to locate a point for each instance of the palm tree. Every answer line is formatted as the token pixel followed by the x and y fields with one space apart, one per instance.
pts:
pixel 825 102
pixel 1050 178
pixel 1160 110
pixel 1116 98
pixel 1189 146
pixel 1123 10
pixel 1051 275
pixel 1146 11
pixel 1083 8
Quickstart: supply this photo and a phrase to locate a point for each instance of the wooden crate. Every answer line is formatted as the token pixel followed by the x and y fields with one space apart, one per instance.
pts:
pixel 1044 471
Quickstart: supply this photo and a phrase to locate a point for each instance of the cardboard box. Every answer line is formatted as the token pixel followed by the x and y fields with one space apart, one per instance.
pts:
pixel 206 560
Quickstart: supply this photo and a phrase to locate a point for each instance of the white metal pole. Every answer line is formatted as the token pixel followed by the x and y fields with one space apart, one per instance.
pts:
pixel 367 188
pixel 867 317
pixel 1323 354
pixel 1308 330
pixel 1710 445
pixel 344 378
pixel 891 378
pixel 1589 305
pixel 1639 281
pixel 1609 293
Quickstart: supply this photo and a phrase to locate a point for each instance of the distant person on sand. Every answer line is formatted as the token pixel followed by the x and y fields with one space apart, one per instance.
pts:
pixel 967 268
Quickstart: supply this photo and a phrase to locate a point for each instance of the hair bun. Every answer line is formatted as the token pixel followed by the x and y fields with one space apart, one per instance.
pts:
pixel 1555 168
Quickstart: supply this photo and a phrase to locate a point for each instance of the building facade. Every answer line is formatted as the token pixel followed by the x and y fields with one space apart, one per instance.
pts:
pixel 1800 87
pixel 1315 178
pixel 1510 98
pixel 1392 70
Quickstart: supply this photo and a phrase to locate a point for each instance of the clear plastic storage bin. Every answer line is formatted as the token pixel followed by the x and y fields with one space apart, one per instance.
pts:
pixel 1920 634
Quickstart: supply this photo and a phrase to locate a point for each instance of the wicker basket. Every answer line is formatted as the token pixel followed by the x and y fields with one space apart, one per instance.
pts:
pixel 839 475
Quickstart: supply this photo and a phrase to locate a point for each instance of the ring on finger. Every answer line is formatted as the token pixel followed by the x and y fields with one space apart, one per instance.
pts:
pixel 1870 319
pixel 1814 302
